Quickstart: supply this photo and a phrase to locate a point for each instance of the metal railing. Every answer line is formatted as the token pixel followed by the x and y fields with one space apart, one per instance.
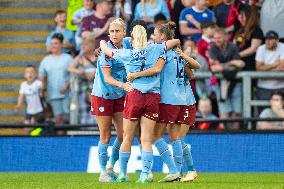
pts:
pixel 245 76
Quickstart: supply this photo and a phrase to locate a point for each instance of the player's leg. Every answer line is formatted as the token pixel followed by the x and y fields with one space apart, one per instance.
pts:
pixel 104 123
pixel 118 124
pixel 147 131
pixel 174 136
pixel 103 109
pixel 189 121
pixel 131 117
pixel 163 148
pixel 129 133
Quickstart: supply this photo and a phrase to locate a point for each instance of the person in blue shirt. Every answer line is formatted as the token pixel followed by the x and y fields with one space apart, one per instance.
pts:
pixel 147 9
pixel 191 18
pixel 142 103
pixel 69 38
pixel 53 72
pixel 174 105
pixel 108 96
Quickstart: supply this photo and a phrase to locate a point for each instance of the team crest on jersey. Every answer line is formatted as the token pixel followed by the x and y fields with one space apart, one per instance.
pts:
pixel 101 109
pixel 155 115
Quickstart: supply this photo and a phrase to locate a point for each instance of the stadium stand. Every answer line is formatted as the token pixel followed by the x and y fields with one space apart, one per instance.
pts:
pixel 24 26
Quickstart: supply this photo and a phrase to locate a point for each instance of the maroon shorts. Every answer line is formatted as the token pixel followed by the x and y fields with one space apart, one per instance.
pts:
pixel 139 104
pixel 106 107
pixel 176 114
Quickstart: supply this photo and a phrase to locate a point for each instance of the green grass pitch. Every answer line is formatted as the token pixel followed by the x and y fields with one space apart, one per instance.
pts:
pixel 90 181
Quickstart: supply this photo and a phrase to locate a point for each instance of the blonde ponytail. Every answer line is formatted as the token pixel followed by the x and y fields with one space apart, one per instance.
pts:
pixel 139 37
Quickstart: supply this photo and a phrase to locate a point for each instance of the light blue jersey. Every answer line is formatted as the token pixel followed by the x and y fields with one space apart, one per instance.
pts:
pixel 138 60
pixel 175 87
pixel 190 99
pixel 100 87
pixel 173 80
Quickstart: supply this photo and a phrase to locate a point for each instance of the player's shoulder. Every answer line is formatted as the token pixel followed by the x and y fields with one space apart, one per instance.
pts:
pixel 24 84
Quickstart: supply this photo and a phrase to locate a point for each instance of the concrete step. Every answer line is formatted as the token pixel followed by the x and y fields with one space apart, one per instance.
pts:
pixel 34 4
pixel 11 75
pixel 20 39
pixel 10 106
pixel 21 57
pixel 26 21
pixel 11 69
pixel 30 45
pixel 8 94
pixel 11 81
pixel 21 33
pixel 18 63
pixel 27 10
pixel 26 16
pixel 9 88
pixel 26 27
pixel 11 119
pixel 12 100
pixel 22 51
pixel 12 112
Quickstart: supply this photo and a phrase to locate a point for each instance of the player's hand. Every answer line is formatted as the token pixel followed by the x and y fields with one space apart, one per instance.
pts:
pixel 63 89
pixel 97 52
pixel 17 108
pixel 127 87
pixel 131 77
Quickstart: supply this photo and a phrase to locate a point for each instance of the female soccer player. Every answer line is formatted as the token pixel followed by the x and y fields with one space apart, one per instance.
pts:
pixel 108 100
pixel 173 107
pixel 142 104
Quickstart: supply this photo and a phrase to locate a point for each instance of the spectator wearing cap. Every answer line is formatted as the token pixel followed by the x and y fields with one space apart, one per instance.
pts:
pixel 96 25
pixel 270 57
pixel 191 19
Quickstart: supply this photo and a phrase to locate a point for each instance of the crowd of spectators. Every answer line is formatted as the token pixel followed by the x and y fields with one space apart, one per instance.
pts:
pixel 224 36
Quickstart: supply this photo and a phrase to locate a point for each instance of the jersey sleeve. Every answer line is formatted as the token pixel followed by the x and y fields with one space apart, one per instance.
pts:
pixel 259 54
pixel 182 18
pixel 122 55
pixel 76 15
pixel 104 61
pixel 21 91
pixel 41 69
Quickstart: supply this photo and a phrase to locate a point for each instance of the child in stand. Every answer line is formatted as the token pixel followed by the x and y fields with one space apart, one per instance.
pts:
pixel 30 93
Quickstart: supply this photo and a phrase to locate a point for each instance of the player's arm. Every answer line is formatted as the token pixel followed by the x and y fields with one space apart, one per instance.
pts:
pixel 154 70
pixel 193 64
pixel 19 102
pixel 185 30
pixel 189 72
pixel 111 81
pixel 106 49
pixel 172 43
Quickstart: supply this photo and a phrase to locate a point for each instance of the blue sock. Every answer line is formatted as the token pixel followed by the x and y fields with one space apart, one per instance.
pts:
pixel 123 161
pixel 177 153
pixel 103 156
pixel 140 147
pixel 115 152
pixel 147 160
pixel 165 154
pixel 187 157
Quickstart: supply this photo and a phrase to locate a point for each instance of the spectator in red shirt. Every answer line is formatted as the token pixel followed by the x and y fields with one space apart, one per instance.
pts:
pixel 206 38
pixel 97 24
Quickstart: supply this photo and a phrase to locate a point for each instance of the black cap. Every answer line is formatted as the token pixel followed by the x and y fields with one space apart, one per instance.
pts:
pixel 271 35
